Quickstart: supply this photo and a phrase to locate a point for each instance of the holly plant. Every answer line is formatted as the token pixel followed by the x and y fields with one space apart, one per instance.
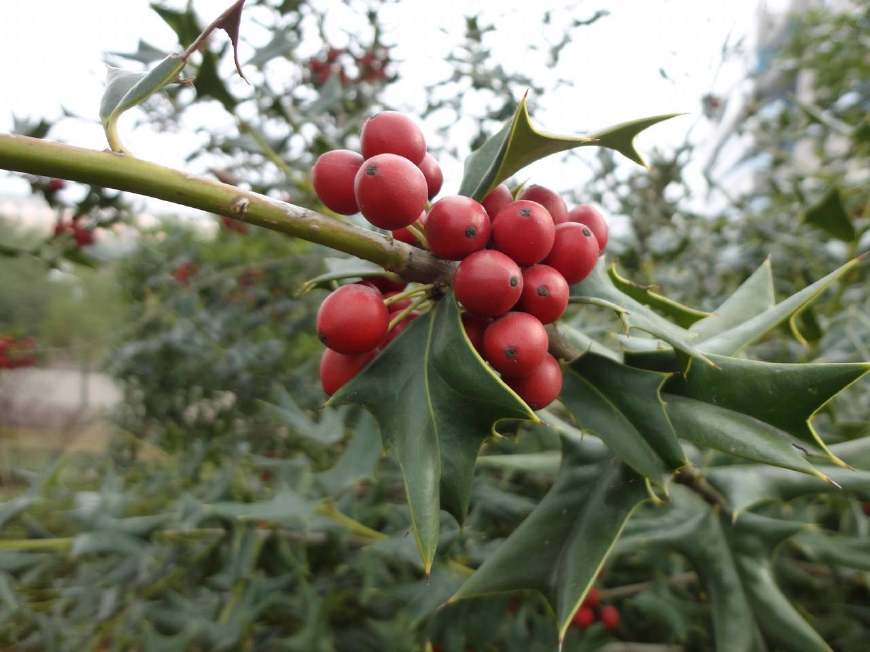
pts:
pixel 459 326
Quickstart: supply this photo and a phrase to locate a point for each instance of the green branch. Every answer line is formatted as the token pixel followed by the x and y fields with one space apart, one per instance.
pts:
pixel 127 173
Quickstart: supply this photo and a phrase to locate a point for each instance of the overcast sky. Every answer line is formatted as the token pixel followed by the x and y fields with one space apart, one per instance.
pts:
pixel 53 57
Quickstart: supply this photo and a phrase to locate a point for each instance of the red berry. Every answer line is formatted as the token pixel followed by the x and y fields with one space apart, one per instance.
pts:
pixel 398 328
pixel 333 175
pixel 586 214
pixel 337 368
pixel 405 235
pixel 609 617
pixel 574 252
pixel 866 507
pixel 524 231
pixel 515 344
pixel 583 618
pixel 474 328
pixel 390 132
pixel 352 319
pixel 384 284
pixel 56 184
pixel 398 305
pixel 432 171
pixel 390 191
pixel 554 204
pixel 457 226
pixel 542 386
pixel 545 293
pixel 593 597
pixel 498 198
pixel 488 283
pixel 83 237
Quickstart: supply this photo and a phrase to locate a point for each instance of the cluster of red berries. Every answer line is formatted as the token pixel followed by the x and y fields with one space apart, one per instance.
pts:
pixel 591 610
pixel 82 235
pixel 371 66
pixel 17 352
pixel 518 256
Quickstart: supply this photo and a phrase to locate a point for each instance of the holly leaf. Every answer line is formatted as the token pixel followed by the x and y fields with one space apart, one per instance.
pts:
pixel 358 461
pixel 835 550
pixel 830 215
pixel 733 563
pixel 435 401
pixel 681 315
pixel 786 396
pixel 519 143
pixel 563 544
pixel 622 406
pixel 599 289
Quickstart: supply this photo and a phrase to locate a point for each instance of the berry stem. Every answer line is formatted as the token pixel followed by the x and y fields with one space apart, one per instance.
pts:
pixel 417 232
pixel 406 311
pixel 414 291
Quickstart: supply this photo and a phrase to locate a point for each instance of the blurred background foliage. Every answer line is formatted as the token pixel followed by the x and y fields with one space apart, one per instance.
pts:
pixel 225 510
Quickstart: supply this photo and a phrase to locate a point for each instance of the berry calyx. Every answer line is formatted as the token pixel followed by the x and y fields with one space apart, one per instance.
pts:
pixel 545 293
pixel 333 175
pixel 498 198
pixel 337 368
pixel 588 215
pixel 390 132
pixel 515 344
pixel 352 319
pixel 583 618
pixel 488 283
pixel 609 616
pixel 542 386
pixel 574 252
pixel 475 326
pixel 432 171
pixel 390 191
pixel 547 198
pixel 457 226
pixel 524 231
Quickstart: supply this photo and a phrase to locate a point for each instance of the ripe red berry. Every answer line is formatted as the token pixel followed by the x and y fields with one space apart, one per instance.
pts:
pixel 488 283
pixel 498 198
pixel 593 597
pixel 588 215
pixel 866 507
pixel 390 191
pixel 583 618
pixel 432 171
pixel 609 617
pixel 398 305
pixel 457 226
pixel 337 368
pixel 55 184
pixel 554 204
pixel 515 344
pixel 333 175
pixel 545 293
pixel 352 319
pixel 384 284
pixel 390 132
pixel 524 231
pixel 474 327
pixel 84 237
pixel 574 252
pixel 398 328
pixel 542 386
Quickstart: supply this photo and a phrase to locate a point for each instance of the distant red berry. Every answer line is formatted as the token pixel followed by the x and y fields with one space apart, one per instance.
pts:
pixel 457 226
pixel 432 171
pixel 545 293
pixel 524 231
pixel 183 272
pixel 588 215
pixel 574 252
pixel 488 283
pixel 333 175
pixel 233 225
pixel 84 237
pixel 866 507
pixel 609 617
pixel 390 132
pixel 498 198
pixel 475 326
pixel 515 344
pixel 583 618
pixel 337 368
pixel 54 185
pixel 593 598
pixel 352 319
pixel 547 198
pixel 390 191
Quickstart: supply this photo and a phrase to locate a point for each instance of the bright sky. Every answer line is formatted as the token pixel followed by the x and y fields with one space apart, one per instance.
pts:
pixel 53 58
